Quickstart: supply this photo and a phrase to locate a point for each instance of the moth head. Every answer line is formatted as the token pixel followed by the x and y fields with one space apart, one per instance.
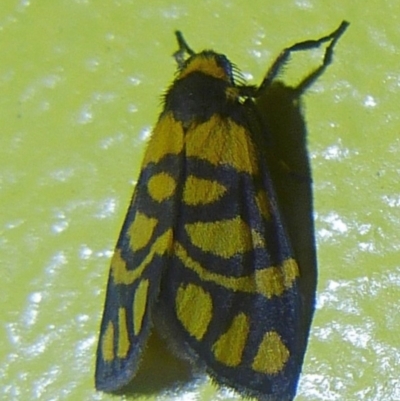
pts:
pixel 208 63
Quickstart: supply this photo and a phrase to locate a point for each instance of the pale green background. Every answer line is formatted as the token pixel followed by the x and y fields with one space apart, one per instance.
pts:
pixel 80 86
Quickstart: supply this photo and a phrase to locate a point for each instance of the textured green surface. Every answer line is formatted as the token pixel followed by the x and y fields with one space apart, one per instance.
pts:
pixel 80 86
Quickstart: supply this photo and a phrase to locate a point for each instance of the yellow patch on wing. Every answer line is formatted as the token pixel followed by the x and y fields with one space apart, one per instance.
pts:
pixel 269 282
pixel 272 354
pixel 107 343
pixel 199 191
pixel 257 239
pixel 141 231
pixel 228 349
pixel 166 139
pixel 123 336
pixel 222 142
pixel 224 238
pixel 119 270
pixel 263 204
pixel 161 186
pixel 290 272
pixel 276 279
pixel 194 319
pixel 139 305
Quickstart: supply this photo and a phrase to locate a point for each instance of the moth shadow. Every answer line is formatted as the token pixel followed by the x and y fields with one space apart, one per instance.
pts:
pixel 286 154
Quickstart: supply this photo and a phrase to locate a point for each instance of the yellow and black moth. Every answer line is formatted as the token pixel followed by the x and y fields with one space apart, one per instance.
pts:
pixel 203 254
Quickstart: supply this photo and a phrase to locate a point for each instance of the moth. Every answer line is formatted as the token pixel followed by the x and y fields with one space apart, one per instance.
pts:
pixel 203 255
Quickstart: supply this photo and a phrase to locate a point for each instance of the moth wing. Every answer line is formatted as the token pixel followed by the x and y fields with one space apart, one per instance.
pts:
pixel 231 293
pixel 139 259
